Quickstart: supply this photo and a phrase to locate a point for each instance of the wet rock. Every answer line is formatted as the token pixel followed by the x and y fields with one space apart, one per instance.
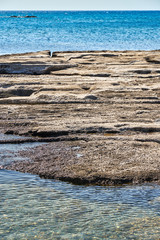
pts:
pixel 14 16
pixel 32 69
pixel 90 97
pixel 30 16
pixel 142 71
pixel 57 67
pixel 153 59
pixel 27 16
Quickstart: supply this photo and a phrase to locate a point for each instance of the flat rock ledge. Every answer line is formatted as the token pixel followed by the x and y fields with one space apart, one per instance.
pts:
pixel 97 111
pixel 82 162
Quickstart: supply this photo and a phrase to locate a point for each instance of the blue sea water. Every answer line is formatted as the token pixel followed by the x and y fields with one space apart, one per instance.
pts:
pixel 34 208
pixel 79 30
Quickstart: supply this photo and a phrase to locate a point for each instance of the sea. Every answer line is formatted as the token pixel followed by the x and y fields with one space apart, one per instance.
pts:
pixel 35 208
pixel 79 30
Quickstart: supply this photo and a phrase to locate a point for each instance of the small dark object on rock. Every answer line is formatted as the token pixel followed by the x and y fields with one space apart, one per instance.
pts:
pixel 9 132
pixel 91 97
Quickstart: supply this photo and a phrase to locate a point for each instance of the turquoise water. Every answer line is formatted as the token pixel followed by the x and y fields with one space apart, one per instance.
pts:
pixel 79 30
pixel 35 208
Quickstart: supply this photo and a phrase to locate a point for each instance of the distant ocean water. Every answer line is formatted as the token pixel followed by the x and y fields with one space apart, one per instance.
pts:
pixel 79 30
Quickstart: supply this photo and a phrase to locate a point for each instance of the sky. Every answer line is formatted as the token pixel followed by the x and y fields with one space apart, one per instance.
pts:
pixel 79 4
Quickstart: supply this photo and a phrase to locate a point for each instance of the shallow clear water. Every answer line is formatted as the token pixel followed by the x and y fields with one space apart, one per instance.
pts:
pixel 34 208
pixel 9 152
pixel 79 30
pixel 10 137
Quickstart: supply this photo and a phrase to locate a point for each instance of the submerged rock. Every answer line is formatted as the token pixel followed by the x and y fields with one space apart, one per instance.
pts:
pixel 30 16
pixel 27 16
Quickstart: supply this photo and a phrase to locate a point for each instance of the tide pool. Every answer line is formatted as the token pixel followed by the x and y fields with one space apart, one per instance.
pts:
pixel 35 208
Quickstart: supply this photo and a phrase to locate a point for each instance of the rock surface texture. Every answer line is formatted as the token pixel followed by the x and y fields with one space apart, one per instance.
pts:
pixel 100 111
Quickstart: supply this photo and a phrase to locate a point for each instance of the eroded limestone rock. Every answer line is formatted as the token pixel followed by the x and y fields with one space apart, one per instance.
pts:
pixel 105 104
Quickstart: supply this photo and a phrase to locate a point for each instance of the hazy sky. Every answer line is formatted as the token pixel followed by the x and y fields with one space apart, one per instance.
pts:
pixel 79 4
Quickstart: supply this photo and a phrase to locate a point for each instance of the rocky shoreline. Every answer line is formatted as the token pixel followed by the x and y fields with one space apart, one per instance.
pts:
pixel 98 111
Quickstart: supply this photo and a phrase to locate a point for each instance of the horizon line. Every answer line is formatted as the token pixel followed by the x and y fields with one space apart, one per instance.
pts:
pixel 75 10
